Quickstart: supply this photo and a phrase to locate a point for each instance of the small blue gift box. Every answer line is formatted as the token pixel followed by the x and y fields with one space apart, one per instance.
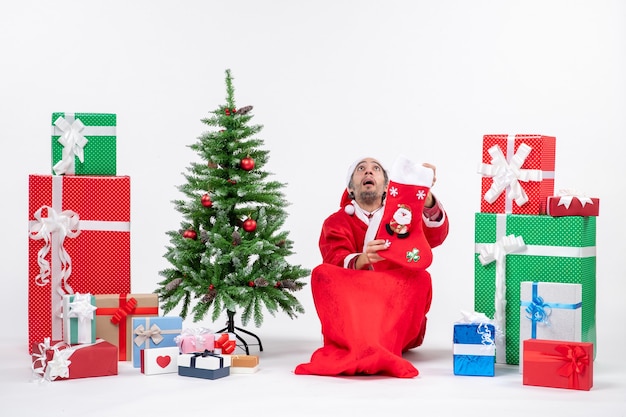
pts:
pixel 205 365
pixel 474 349
pixel 153 332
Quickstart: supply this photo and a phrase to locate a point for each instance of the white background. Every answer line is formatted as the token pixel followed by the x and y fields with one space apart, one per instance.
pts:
pixel 330 81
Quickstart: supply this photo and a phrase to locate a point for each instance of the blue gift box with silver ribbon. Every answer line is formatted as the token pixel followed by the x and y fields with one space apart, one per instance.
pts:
pixel 474 349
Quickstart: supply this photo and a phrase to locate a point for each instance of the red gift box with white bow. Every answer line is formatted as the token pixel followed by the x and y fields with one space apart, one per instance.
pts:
pixel 518 173
pixel 79 229
pixel 572 203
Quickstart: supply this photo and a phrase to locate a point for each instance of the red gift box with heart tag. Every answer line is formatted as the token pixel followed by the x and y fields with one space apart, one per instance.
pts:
pixel 159 360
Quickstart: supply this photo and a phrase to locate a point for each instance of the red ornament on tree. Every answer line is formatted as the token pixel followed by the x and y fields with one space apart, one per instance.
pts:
pixel 247 164
pixel 232 181
pixel 250 283
pixel 190 234
pixel 206 200
pixel 249 225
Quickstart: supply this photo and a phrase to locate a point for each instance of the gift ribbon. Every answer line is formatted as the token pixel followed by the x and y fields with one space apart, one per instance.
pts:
pixel 43 228
pixel 143 335
pixel 486 253
pixel 81 309
pixel 73 143
pixel 507 173
pixel 575 361
pixel 205 354
pixel 497 252
pixel 199 338
pixel 538 311
pixel 225 343
pixel 566 197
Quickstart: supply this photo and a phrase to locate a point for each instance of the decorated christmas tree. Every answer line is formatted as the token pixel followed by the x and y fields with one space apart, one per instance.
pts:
pixel 230 254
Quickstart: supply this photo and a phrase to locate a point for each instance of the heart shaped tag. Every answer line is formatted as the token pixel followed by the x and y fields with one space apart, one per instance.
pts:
pixel 163 361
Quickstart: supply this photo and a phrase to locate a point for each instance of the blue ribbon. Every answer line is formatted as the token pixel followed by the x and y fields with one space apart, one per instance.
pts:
pixel 538 311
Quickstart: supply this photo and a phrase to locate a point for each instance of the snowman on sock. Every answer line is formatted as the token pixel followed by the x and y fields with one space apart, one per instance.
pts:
pixel 401 223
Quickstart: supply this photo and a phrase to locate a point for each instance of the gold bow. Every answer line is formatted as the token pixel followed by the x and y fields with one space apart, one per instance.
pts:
pixel 142 334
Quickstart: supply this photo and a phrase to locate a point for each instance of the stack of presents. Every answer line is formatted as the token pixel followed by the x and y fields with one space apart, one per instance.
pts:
pixel 535 271
pixel 82 317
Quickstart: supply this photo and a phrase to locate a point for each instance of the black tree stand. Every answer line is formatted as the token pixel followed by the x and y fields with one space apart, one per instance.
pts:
pixel 230 328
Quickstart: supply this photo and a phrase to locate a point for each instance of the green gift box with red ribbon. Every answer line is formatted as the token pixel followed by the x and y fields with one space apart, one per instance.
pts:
pixel 512 248
pixel 79 242
pixel 84 143
pixel 114 314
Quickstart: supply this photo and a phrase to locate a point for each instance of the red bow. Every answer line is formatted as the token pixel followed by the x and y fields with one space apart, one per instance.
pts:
pixel 122 312
pixel 225 343
pixel 576 360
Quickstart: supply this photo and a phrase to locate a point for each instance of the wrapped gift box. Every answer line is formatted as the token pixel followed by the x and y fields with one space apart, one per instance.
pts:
pixel 57 360
pixel 205 365
pixel 558 364
pixel 114 315
pixel 243 364
pixel 84 143
pixel 195 340
pixel 550 311
pixel 518 173
pixel 514 248
pixel 474 349
pixel 79 229
pixel 79 319
pixel 154 332
pixel 159 360
pixel 572 205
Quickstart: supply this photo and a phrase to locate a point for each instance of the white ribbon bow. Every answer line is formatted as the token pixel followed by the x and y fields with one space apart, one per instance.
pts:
pixel 64 224
pixel 568 195
pixel 508 174
pixel 81 308
pixel 73 143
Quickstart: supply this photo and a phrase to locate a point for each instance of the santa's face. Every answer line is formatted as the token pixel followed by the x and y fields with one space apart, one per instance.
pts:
pixel 403 216
pixel 368 181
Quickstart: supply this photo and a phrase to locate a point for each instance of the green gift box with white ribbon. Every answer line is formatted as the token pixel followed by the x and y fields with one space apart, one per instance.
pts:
pixel 84 144
pixel 512 248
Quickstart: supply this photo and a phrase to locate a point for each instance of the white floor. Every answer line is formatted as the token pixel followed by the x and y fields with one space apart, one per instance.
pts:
pixel 275 390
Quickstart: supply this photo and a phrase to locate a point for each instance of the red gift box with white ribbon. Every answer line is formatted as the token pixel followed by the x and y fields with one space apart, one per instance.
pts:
pixel 518 173
pixel 79 229
pixel 572 203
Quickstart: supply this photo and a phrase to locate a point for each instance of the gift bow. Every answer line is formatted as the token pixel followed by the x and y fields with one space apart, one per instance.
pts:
pixel 143 334
pixel 198 336
pixel 58 366
pixel 508 174
pixel 122 312
pixel 538 310
pixel 73 143
pixel 225 343
pixel 64 224
pixel 568 195
pixel 81 307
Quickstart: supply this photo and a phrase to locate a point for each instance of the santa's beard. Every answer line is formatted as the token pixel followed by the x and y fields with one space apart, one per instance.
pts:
pixel 369 197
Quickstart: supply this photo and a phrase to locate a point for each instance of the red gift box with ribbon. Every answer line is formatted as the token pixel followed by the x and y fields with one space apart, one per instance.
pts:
pixel 79 242
pixel 572 203
pixel 518 173
pixel 114 313
pixel 58 360
pixel 558 364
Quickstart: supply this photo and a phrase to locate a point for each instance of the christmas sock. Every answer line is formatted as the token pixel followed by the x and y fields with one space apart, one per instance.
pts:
pixel 401 224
